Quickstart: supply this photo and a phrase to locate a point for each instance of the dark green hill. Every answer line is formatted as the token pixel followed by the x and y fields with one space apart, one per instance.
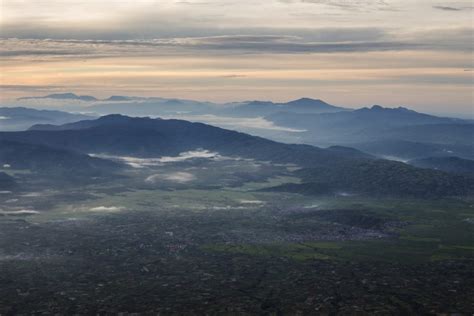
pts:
pixel 6 182
pixel 380 178
pixel 407 150
pixel 447 164
pixel 45 159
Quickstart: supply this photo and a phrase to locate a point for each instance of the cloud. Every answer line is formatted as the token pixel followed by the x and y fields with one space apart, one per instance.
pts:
pixel 30 88
pixel 136 162
pixel 145 19
pixel 449 8
pixel 230 76
pixel 259 123
pixel 453 39
pixel 445 8
pixel 191 155
pixel 282 44
pixel 357 5
pixel 38 52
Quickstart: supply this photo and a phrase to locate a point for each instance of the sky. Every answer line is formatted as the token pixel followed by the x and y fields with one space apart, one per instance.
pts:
pixel 415 53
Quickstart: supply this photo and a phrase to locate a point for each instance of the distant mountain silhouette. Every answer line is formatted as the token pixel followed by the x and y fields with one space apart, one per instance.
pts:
pixel 397 133
pixel 308 104
pixel 368 119
pixel 370 128
pixel 63 96
pixel 118 98
pixel 264 108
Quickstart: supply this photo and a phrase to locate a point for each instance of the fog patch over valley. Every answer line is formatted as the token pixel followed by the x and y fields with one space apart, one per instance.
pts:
pixel 200 153
pixel 394 158
pixel 32 194
pixel 179 177
pixel 19 212
pixel 107 208
pixel 136 162
pixel 252 202
pixel 259 123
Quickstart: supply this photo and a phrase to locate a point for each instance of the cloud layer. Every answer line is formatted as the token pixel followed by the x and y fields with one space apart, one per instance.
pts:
pixel 351 52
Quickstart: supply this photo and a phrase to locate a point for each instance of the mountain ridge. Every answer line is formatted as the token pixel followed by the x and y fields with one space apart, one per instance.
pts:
pixel 335 169
pixel 21 118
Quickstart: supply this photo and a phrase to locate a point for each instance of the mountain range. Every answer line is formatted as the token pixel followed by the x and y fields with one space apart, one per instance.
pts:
pixel 391 133
pixel 336 169
pixel 362 123
pixel 382 131
pixel 303 105
pixel 146 137
pixel 160 106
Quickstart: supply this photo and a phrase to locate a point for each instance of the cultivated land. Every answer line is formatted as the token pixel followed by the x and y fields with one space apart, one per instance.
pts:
pixel 201 235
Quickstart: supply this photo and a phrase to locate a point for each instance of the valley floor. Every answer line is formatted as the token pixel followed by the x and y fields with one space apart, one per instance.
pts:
pixel 186 247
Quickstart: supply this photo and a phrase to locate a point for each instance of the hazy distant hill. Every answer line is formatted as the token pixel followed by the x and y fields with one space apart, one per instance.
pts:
pixel 360 122
pixel 308 105
pixel 160 107
pixel 118 98
pixel 20 118
pixel 443 133
pixel 333 169
pixel 265 108
pixel 397 132
pixel 153 106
